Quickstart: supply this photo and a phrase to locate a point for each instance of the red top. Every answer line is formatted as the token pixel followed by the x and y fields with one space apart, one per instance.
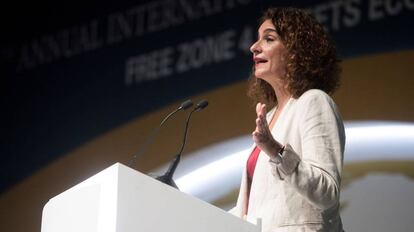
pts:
pixel 251 162
pixel 251 165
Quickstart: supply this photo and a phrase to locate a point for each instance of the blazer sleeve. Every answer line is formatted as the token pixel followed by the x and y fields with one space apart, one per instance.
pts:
pixel 316 172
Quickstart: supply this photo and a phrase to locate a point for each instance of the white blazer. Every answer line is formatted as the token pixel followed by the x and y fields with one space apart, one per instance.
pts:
pixel 300 193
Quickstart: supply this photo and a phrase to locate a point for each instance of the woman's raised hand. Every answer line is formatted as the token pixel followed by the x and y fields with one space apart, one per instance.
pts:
pixel 262 135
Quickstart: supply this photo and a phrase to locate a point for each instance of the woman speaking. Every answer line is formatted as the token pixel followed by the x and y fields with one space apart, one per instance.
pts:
pixel 293 175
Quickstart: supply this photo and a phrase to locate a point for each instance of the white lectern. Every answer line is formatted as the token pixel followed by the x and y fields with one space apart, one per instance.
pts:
pixel 120 199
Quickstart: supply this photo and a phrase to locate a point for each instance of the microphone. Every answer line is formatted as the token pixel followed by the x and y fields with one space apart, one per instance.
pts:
pixel 167 178
pixel 201 105
pixel 185 105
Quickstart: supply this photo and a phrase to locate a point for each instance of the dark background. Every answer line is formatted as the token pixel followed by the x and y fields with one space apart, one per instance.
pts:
pixel 53 108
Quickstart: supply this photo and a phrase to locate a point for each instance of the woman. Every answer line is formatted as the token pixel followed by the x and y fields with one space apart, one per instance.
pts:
pixel 293 175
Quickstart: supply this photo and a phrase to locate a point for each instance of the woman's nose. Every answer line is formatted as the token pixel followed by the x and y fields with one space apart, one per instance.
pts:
pixel 255 48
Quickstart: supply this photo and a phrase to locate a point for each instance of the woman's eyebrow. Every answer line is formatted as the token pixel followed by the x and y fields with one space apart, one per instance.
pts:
pixel 269 30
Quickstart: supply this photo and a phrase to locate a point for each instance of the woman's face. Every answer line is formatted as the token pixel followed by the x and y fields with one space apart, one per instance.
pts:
pixel 269 54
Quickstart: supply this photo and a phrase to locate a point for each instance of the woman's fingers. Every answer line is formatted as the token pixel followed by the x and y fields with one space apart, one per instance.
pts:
pixel 258 106
pixel 260 109
pixel 263 110
pixel 261 124
pixel 262 133
pixel 261 129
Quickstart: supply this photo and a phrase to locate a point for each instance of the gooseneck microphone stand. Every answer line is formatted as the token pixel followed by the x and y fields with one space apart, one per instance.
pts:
pixel 185 105
pixel 167 178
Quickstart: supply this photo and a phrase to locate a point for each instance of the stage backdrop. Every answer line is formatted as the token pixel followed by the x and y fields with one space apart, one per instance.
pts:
pixel 84 84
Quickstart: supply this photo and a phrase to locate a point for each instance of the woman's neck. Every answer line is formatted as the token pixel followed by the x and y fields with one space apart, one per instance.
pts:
pixel 282 95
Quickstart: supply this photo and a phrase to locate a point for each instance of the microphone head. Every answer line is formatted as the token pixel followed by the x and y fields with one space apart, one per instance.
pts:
pixel 201 105
pixel 185 105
